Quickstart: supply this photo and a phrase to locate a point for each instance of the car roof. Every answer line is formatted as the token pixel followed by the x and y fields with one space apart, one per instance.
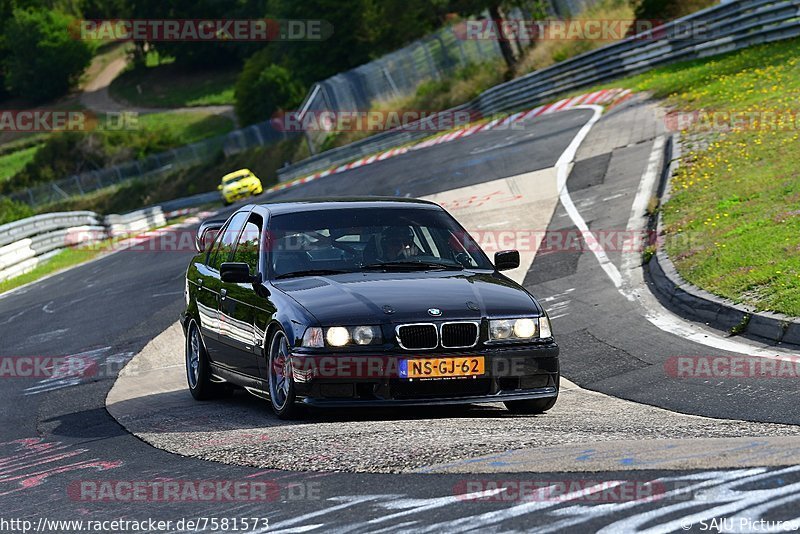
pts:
pixel 317 204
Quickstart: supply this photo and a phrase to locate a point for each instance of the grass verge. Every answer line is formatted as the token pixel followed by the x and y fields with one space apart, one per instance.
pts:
pixel 185 127
pixel 169 86
pixel 13 162
pixel 733 220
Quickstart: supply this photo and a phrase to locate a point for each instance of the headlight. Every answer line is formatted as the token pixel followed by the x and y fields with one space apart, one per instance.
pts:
pixel 519 329
pixel 313 337
pixel 501 329
pixel 364 335
pixel 524 328
pixel 337 336
pixel 340 336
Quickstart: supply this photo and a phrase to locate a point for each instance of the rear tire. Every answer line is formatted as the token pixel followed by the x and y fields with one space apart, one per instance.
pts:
pixel 280 379
pixel 531 407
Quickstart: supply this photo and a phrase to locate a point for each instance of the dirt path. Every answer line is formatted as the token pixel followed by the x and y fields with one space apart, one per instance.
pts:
pixel 97 97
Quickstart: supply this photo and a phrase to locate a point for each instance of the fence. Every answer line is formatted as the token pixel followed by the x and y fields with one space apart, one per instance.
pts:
pixel 399 73
pixel 730 26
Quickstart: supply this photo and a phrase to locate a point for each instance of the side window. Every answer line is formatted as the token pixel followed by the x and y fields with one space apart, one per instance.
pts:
pixel 225 244
pixel 247 247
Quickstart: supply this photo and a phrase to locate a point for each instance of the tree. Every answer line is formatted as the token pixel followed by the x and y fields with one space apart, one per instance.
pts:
pixel 496 8
pixel 351 43
pixel 201 54
pixel 13 211
pixel 6 12
pixel 43 60
pixel 395 23
pixel 264 88
pixel 665 10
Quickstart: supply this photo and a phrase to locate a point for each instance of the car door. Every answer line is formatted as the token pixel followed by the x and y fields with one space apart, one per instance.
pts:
pixel 238 303
pixel 210 289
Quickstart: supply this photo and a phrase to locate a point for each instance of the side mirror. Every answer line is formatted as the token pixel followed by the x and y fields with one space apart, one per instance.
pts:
pixel 206 233
pixel 506 259
pixel 235 273
pixel 219 187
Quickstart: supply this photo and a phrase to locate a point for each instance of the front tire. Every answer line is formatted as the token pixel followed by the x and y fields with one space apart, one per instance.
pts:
pixel 280 379
pixel 198 370
pixel 530 407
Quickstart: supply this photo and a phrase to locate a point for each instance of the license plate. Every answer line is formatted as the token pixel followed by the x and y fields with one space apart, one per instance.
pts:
pixel 442 367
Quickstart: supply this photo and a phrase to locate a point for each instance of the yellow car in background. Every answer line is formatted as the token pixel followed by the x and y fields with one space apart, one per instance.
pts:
pixel 238 185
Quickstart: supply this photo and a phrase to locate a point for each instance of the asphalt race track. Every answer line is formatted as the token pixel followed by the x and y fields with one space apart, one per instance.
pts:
pixel 57 435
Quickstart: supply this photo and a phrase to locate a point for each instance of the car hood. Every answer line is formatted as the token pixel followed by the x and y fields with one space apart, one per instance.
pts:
pixel 359 298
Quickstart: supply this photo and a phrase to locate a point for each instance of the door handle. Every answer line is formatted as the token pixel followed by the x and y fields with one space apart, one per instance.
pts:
pixel 200 283
pixel 223 293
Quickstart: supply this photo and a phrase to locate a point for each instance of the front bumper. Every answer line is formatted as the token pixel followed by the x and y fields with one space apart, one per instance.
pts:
pixel 512 373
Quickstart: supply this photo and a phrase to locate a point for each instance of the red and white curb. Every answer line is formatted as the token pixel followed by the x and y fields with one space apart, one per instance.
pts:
pixel 604 97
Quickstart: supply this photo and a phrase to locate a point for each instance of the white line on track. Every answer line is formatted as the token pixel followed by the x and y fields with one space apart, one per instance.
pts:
pixel 563 166
pixel 634 288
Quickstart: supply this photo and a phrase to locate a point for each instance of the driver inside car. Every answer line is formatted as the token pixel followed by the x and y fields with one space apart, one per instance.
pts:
pixel 397 243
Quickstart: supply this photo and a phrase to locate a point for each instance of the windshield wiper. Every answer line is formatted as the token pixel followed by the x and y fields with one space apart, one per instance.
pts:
pixel 420 265
pixel 310 272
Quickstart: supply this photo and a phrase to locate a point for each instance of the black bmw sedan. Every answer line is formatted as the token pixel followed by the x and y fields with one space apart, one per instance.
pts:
pixel 361 302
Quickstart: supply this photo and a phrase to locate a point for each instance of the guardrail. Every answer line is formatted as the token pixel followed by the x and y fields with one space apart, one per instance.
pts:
pixel 136 221
pixel 26 243
pixel 728 27
pixel 38 224
pixel 22 256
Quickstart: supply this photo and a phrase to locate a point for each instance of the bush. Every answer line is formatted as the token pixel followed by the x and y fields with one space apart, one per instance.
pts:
pixel 264 88
pixel 61 155
pixel 12 211
pixel 128 196
pixel 669 9
pixel 66 153
pixel 43 61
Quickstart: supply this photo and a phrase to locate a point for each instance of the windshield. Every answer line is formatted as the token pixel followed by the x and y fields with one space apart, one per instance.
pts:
pixel 234 177
pixel 358 239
